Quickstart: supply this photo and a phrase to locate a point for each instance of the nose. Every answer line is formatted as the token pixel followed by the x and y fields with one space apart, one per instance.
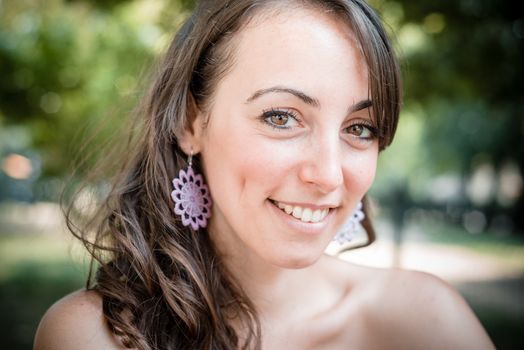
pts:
pixel 322 166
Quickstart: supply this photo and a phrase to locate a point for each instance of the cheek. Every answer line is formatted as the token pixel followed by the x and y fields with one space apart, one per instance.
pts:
pixel 244 168
pixel 263 167
pixel 359 171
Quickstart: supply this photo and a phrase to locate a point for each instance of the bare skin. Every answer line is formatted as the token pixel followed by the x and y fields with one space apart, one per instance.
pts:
pixel 322 158
pixel 379 309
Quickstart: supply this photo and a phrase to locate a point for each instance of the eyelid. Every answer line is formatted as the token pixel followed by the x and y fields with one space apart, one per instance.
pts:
pixel 363 122
pixel 273 111
pixel 368 125
pixel 267 113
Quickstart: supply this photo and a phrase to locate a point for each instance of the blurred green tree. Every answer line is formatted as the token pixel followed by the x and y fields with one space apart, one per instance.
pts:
pixel 463 69
pixel 68 67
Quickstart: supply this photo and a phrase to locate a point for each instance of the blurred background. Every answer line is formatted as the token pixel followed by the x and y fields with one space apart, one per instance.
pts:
pixel 448 198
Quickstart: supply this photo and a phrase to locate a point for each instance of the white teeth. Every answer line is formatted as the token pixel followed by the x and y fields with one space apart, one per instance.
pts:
pixel 297 212
pixel 317 214
pixel 303 214
pixel 306 215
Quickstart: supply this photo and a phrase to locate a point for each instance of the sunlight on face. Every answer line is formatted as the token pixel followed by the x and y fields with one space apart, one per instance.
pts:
pixel 290 127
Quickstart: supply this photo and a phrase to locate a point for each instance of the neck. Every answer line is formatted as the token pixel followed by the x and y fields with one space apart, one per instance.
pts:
pixel 272 289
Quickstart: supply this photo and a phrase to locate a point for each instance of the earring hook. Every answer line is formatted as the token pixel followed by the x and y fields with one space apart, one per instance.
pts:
pixel 190 160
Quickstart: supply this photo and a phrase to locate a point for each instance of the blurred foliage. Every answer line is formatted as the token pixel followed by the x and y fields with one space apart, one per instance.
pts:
pixel 463 72
pixel 463 106
pixel 72 70
pixel 67 67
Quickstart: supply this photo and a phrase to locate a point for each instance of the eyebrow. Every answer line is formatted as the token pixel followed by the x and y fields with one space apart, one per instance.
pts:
pixel 360 106
pixel 281 89
pixel 306 98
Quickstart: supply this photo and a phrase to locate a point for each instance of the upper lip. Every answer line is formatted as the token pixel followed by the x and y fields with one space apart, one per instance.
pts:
pixel 307 205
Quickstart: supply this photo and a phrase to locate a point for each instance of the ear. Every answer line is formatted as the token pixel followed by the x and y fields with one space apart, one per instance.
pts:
pixel 190 141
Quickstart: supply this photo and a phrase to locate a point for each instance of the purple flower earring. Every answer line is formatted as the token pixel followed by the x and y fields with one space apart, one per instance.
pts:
pixel 350 227
pixel 191 197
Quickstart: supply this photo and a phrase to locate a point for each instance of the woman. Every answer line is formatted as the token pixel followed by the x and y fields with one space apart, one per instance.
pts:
pixel 281 107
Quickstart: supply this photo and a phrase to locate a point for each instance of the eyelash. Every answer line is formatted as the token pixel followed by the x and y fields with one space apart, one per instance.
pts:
pixel 291 114
pixel 266 115
pixel 372 129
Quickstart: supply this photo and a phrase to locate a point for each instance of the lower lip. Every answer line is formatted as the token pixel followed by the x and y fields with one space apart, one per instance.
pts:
pixel 296 225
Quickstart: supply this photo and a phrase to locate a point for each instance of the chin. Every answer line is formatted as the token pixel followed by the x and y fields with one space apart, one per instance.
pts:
pixel 298 261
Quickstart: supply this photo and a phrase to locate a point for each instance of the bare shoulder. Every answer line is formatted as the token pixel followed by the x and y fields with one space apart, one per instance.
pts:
pixel 75 322
pixel 413 309
pixel 402 309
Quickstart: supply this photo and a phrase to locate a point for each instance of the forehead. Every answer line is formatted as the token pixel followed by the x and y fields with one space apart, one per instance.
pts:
pixel 302 48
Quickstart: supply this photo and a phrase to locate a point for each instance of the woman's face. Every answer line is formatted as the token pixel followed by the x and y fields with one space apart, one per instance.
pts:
pixel 289 126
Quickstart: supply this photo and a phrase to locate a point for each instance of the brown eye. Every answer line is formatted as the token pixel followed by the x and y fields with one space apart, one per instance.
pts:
pixel 356 130
pixel 279 119
pixel 361 131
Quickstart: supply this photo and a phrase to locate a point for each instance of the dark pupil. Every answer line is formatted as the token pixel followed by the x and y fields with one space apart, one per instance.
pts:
pixel 357 129
pixel 279 119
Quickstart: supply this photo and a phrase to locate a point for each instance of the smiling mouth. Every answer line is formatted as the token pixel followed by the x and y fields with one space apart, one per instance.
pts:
pixel 303 214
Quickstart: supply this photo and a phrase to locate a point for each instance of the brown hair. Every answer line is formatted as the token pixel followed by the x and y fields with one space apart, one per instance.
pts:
pixel 164 285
